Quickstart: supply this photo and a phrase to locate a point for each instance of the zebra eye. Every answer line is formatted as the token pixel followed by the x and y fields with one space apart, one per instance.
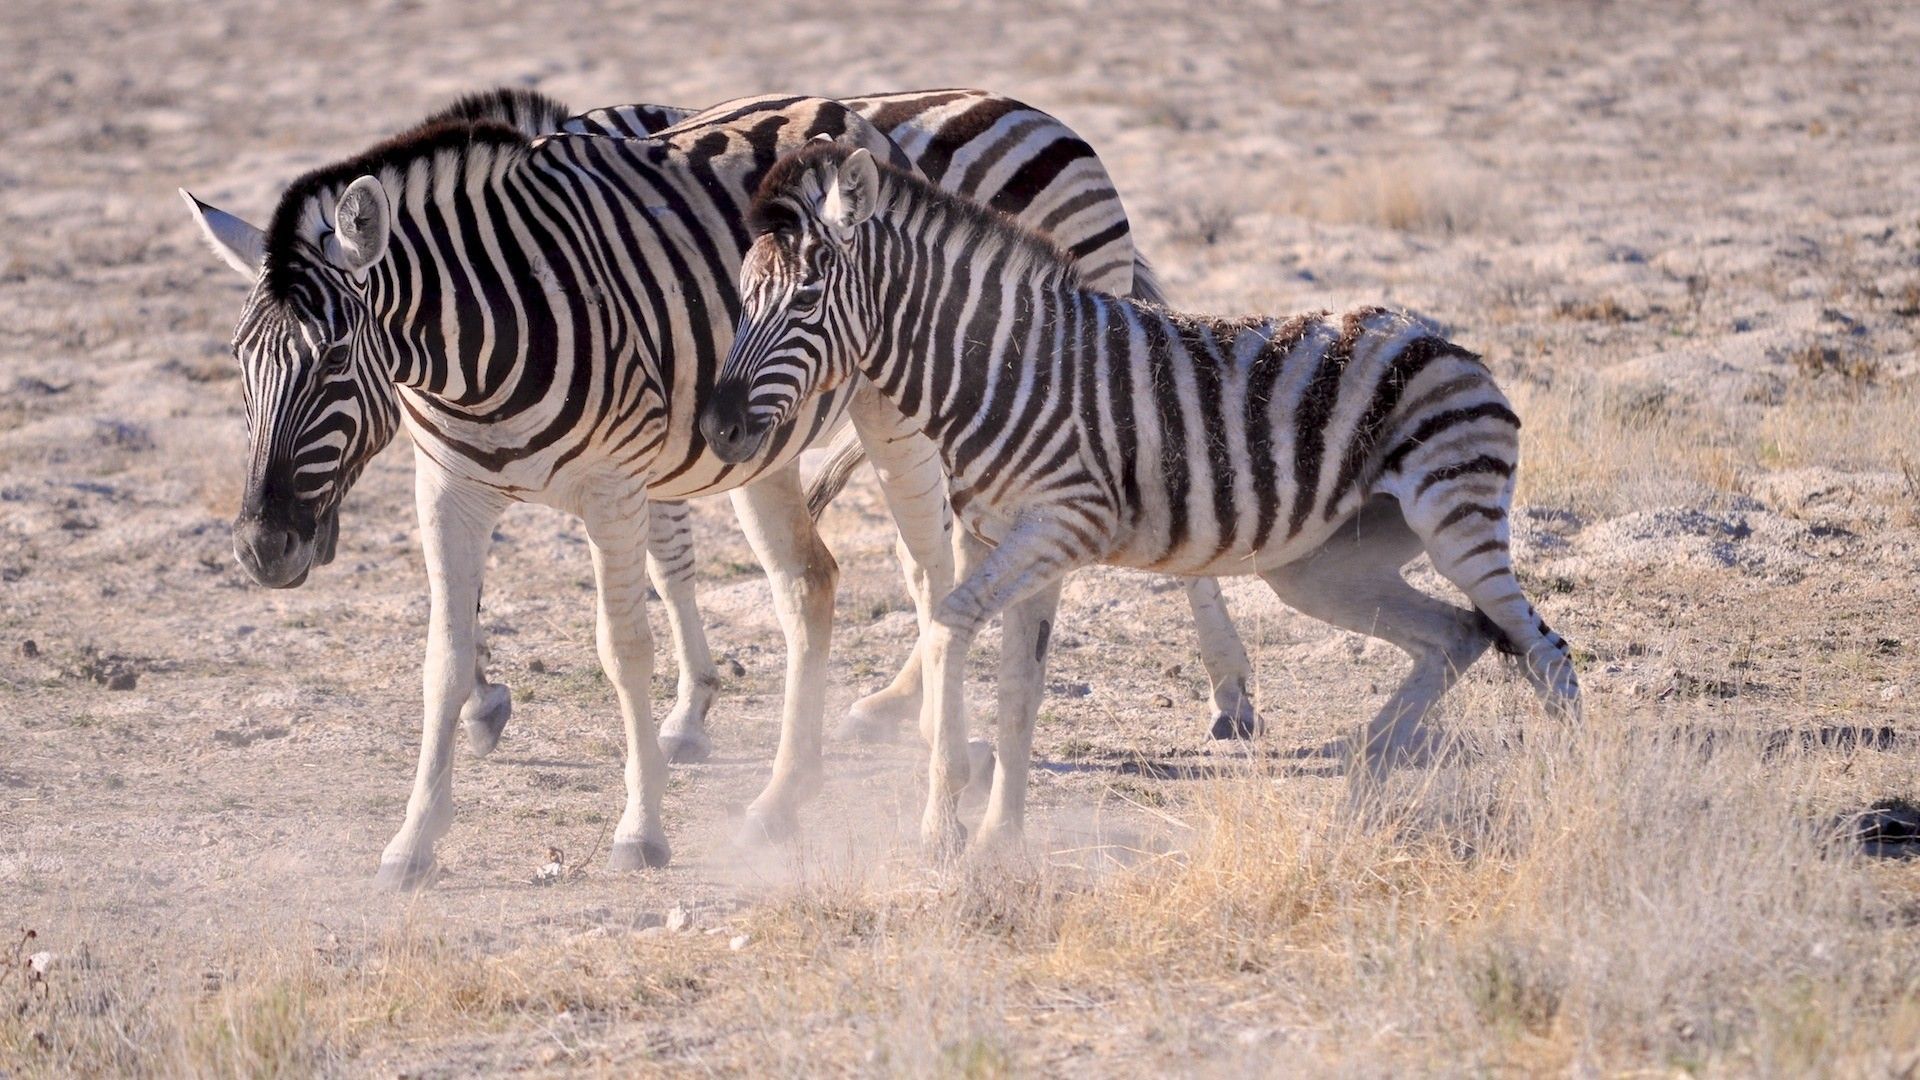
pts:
pixel 334 360
pixel 807 297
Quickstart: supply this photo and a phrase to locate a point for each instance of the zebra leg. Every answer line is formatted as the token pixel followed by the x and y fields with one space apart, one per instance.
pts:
pixel 1464 527
pixel 456 525
pixel 1225 658
pixel 915 487
pixel 484 716
pixel 1025 629
pixel 626 655
pixel 773 513
pixel 1354 582
pixel 683 737
pixel 1033 556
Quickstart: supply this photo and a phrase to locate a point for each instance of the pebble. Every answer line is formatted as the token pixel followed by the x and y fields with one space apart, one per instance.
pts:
pixel 125 680
pixel 738 942
pixel 734 667
pixel 537 666
pixel 29 648
pixel 1162 701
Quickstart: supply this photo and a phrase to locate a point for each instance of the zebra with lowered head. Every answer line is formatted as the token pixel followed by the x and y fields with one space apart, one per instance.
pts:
pixel 546 315
pixel 1322 453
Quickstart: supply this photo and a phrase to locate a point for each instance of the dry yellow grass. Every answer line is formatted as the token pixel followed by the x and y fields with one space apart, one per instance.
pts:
pixel 1619 897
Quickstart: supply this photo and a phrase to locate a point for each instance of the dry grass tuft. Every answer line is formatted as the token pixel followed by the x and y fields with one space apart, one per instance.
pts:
pixel 1409 195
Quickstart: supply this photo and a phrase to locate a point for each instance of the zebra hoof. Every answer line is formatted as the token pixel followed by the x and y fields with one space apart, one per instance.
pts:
pixel 687 747
pixel 867 727
pixel 944 840
pixel 406 875
pixel 765 828
pixel 639 855
pixel 980 765
pixel 485 717
pixel 1240 722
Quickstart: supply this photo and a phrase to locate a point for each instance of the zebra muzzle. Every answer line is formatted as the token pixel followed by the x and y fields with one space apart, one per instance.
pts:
pixel 279 554
pixel 731 431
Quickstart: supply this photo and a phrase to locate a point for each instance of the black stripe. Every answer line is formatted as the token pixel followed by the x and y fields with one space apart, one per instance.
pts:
pixel 1466 510
pixel 1485 463
pixel 1315 408
pixel 1406 364
pixel 1037 174
pixel 1438 422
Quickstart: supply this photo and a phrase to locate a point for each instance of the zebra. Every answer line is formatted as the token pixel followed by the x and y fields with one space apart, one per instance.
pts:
pixel 942 130
pixel 546 313
pixel 1322 453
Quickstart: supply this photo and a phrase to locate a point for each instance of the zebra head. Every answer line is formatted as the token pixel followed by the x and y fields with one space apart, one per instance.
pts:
pixel 320 402
pixel 806 308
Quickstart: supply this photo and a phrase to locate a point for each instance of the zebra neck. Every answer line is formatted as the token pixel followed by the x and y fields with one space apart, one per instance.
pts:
pixel 490 297
pixel 975 326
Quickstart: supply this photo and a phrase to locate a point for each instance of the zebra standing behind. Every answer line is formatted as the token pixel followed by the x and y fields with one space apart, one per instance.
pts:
pixel 1320 453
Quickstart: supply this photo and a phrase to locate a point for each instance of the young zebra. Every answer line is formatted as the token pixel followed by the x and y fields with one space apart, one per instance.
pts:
pixel 1320 453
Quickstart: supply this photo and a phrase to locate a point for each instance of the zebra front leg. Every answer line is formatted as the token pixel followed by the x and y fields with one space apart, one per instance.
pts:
pixel 773 514
pixel 1225 658
pixel 456 524
pixel 683 737
pixel 915 487
pixel 626 654
pixel 1026 628
pixel 1033 556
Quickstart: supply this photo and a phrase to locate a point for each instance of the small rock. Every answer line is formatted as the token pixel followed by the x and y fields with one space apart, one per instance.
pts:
pixel 1162 701
pixel 124 680
pixel 537 666
pixel 1065 688
pixel 29 648
pixel 678 919
pixel 734 667
pixel 738 942
pixel 1172 671
pixel 41 963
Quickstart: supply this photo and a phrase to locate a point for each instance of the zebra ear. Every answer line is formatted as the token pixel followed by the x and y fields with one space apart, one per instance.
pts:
pixel 238 244
pixel 853 191
pixel 360 226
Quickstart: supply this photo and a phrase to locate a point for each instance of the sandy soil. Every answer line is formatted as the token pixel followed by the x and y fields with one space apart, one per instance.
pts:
pixel 1689 244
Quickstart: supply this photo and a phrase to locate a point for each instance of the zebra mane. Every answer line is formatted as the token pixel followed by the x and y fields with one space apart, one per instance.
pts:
pixel 506 119
pixel 979 229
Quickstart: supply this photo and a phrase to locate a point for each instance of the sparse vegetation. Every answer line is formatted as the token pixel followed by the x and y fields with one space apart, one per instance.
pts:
pixel 1705 317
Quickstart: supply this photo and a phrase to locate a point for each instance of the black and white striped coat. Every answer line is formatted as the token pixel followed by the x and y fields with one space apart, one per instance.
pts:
pixel 1077 427
pixel 546 316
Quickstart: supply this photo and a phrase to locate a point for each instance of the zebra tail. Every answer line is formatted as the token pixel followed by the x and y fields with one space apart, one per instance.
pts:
pixel 1146 282
pixel 843 457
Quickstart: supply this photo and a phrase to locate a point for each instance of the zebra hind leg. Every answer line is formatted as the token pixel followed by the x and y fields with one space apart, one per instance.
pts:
pixel 683 735
pixel 1225 658
pixel 484 716
pixel 1466 534
pixel 489 705
pixel 1354 581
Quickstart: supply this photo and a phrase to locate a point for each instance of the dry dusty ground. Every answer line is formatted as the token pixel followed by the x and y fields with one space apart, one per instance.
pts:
pixel 1689 244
